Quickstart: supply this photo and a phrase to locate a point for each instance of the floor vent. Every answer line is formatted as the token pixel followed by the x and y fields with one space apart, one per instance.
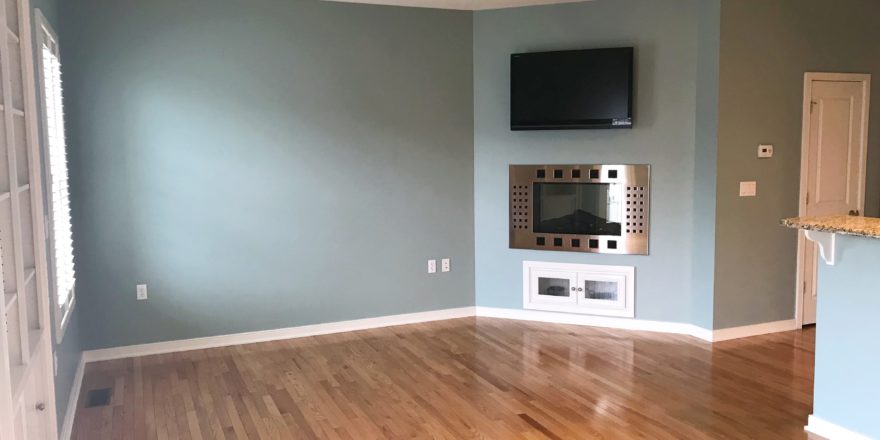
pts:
pixel 99 397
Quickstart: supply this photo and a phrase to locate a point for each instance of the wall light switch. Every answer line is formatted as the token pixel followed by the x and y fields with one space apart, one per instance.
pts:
pixel 748 189
pixel 432 266
pixel 141 292
pixel 765 151
pixel 445 265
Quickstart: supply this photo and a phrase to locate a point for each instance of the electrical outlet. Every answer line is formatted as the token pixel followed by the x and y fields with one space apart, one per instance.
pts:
pixel 141 292
pixel 432 266
pixel 444 264
pixel 765 151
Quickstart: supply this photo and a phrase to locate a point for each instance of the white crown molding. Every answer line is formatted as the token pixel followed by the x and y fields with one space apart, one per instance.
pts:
pixel 826 429
pixel 462 5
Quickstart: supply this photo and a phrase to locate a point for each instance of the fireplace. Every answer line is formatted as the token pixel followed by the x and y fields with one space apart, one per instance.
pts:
pixel 580 208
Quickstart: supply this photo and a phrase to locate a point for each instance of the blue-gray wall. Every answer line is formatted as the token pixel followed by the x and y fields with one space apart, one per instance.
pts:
pixel 706 162
pixel 265 164
pixel 665 34
pixel 847 352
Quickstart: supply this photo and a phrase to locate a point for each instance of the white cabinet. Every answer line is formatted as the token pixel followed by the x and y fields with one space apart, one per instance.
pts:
pixel 579 288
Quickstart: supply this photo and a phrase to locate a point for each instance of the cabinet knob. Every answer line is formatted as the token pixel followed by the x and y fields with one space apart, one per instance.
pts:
pixel 580 289
pixel 573 289
pixel 41 406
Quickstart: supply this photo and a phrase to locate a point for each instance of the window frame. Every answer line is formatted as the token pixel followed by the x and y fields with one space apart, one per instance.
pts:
pixel 62 312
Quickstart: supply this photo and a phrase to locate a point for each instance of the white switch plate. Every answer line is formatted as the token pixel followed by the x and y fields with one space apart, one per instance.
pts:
pixel 748 189
pixel 445 265
pixel 432 266
pixel 141 292
pixel 765 151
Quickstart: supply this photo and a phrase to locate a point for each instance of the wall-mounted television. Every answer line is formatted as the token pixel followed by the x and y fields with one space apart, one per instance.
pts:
pixel 571 89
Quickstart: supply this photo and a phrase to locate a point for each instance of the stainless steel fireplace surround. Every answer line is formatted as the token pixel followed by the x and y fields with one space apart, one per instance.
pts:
pixel 580 208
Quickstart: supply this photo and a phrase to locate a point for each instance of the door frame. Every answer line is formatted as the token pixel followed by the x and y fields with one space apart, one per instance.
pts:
pixel 809 78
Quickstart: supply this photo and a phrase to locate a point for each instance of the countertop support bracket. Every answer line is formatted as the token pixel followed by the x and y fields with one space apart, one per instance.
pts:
pixel 827 244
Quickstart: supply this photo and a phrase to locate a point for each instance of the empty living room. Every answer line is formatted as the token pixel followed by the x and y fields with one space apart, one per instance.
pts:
pixel 439 219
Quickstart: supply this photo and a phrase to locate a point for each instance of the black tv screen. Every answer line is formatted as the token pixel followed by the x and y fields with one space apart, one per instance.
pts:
pixel 572 89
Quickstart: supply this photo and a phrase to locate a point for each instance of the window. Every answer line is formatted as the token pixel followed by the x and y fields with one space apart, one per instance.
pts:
pixel 55 151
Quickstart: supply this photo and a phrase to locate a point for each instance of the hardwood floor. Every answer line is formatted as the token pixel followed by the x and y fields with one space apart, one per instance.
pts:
pixel 460 379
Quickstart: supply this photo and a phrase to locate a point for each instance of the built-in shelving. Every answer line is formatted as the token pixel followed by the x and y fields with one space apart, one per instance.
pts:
pixel 9 299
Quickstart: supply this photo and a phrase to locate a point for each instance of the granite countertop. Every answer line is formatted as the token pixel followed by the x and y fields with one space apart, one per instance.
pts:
pixel 838 224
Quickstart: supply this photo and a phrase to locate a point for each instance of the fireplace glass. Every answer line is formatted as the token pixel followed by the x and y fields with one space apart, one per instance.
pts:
pixel 577 208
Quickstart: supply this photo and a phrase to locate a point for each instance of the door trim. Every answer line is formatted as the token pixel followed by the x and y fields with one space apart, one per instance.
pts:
pixel 809 78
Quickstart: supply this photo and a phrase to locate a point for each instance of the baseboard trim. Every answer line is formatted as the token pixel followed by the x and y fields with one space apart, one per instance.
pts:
pixel 73 399
pixel 727 334
pixel 106 354
pixel 831 431
pixel 597 321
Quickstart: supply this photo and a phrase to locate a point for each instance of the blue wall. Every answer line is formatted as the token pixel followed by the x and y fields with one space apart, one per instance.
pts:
pixel 847 352
pixel 665 35
pixel 706 162
pixel 265 164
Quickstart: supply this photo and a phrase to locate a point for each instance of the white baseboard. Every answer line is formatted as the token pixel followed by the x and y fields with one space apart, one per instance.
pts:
pixel 273 335
pixel 72 400
pixel 753 330
pixel 831 431
pixel 597 321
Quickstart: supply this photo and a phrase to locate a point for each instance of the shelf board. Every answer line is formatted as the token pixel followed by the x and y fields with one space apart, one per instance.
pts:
pixel 24 187
pixel 13 35
pixel 4 196
pixel 9 299
pixel 17 112
pixel 29 273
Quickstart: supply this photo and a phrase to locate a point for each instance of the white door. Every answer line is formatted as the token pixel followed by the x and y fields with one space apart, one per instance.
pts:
pixel 27 399
pixel 833 163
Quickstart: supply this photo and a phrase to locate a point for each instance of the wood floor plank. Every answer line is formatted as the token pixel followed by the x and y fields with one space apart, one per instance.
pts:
pixel 469 378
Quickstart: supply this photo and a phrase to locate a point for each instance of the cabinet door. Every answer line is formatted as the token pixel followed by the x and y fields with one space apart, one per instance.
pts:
pixel 553 287
pixel 601 290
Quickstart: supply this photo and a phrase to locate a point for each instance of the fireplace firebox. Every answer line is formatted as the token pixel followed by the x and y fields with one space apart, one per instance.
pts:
pixel 580 208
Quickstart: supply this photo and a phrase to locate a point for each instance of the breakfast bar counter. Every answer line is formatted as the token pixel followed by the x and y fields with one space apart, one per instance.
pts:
pixel 846 397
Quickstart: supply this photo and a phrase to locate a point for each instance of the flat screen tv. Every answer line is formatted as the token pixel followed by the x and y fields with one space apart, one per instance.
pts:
pixel 570 89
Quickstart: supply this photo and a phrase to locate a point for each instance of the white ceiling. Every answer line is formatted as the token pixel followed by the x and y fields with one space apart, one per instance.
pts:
pixel 466 5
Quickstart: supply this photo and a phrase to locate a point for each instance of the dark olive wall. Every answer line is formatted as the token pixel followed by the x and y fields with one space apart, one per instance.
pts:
pixel 766 46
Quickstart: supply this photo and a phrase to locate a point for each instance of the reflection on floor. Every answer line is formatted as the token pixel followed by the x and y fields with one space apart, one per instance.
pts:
pixel 463 378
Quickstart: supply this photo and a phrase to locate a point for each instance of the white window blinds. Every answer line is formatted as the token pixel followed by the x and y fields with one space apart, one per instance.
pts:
pixel 61 238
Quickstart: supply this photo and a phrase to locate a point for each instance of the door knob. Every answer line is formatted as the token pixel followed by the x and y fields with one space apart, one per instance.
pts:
pixel 854 212
pixel 41 407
